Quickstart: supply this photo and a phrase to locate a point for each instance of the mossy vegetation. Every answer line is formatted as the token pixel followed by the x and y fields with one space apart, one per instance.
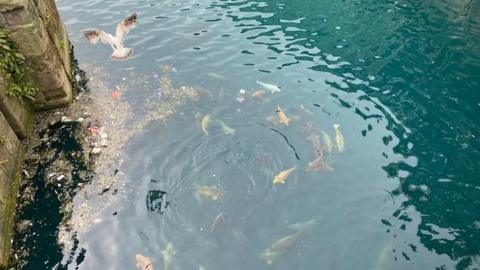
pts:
pixel 3 139
pixel 14 69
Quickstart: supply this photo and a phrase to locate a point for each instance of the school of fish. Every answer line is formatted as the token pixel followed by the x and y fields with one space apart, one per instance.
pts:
pixel 321 143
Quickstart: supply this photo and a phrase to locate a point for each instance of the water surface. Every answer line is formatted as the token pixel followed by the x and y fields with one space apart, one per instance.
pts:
pixel 400 77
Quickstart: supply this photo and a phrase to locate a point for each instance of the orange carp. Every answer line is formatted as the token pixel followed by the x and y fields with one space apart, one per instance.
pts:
pixel 283 117
pixel 318 164
pixel 282 176
pixel 210 192
pixel 144 263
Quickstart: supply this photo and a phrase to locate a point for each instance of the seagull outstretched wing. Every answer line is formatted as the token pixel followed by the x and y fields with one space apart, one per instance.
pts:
pixel 124 26
pixel 94 35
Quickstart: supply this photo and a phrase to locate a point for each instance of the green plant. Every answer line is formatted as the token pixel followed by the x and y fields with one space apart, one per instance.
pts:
pixel 3 139
pixel 14 69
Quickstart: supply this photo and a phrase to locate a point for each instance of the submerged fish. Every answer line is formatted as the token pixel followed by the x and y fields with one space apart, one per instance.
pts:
pixel 226 129
pixel 282 245
pixel 285 243
pixel 215 75
pixel 270 87
pixel 144 263
pixel 168 253
pixel 241 95
pixel 210 192
pixel 316 142
pixel 318 164
pixel 328 142
pixel 306 111
pixel 302 226
pixel 339 138
pixel 206 120
pixel 282 176
pixel 259 94
pixel 295 117
pixel 273 120
pixel 283 117
pixel 383 257
pixel 217 223
pixel 269 255
pixel 308 129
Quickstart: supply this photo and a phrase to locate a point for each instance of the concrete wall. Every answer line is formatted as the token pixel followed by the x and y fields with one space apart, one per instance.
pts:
pixel 17 112
pixel 37 30
pixel 40 35
pixel 10 162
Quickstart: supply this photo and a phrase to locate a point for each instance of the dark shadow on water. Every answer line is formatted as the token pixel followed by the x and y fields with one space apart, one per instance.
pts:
pixel 55 164
pixel 39 243
pixel 157 201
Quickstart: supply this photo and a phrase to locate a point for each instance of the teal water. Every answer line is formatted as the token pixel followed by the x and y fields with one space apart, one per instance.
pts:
pixel 402 78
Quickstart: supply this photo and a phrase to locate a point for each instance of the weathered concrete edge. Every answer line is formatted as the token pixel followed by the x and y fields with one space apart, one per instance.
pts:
pixel 40 36
pixel 19 113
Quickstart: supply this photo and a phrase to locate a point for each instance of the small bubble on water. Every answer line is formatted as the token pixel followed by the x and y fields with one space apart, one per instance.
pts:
pixel 338 27
pixel 410 145
pixel 424 188
pixel 412 187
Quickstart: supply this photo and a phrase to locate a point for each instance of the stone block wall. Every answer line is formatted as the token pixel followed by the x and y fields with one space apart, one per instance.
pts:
pixel 10 159
pixel 40 35
pixel 17 112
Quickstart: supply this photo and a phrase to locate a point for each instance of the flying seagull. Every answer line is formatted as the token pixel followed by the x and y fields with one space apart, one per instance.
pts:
pixel 116 42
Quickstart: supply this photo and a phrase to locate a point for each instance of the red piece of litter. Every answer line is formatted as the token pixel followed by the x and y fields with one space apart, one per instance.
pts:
pixel 94 130
pixel 115 94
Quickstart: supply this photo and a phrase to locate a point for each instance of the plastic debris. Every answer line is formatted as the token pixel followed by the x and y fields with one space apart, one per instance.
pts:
pixel 103 137
pixel 115 94
pixel 241 96
pixel 93 130
pixel 66 119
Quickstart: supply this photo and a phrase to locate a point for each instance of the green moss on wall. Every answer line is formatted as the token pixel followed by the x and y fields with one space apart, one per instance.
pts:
pixel 14 69
pixel 11 201
pixel 3 139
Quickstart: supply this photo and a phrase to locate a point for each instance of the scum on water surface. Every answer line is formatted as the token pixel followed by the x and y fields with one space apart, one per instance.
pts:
pixel 82 166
